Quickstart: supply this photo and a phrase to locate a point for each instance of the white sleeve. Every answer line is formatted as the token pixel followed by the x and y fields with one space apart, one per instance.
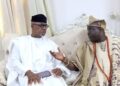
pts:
pixel 14 62
pixel 65 70
pixel 57 63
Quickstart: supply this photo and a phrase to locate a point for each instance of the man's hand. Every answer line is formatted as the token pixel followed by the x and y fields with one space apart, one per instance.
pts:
pixel 32 77
pixel 57 72
pixel 58 55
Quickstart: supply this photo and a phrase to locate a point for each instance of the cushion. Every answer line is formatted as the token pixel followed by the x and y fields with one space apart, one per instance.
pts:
pixel 2 73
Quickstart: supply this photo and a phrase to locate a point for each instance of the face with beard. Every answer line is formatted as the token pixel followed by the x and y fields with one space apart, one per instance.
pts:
pixel 94 33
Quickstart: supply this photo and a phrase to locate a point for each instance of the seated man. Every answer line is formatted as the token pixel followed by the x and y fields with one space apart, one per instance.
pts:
pixel 97 59
pixel 30 61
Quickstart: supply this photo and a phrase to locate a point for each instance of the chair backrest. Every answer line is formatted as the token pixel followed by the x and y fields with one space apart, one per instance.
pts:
pixel 5 41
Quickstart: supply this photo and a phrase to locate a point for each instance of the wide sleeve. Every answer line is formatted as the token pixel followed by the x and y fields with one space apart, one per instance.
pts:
pixel 65 70
pixel 59 64
pixel 14 61
pixel 79 59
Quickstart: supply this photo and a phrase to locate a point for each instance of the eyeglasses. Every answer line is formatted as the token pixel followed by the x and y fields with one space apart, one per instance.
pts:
pixel 43 26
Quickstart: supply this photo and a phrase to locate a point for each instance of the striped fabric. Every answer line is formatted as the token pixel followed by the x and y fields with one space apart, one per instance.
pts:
pixel 116 61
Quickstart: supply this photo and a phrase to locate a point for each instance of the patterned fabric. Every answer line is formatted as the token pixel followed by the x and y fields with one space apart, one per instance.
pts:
pixel 97 22
pixel 85 62
pixel 116 61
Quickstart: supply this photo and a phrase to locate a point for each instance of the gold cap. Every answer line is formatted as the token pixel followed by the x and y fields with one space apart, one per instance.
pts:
pixel 96 22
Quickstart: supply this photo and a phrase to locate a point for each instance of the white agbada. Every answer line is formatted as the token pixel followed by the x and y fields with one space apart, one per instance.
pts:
pixel 28 53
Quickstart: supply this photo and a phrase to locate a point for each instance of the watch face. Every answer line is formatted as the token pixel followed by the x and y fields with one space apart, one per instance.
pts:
pixel 44 74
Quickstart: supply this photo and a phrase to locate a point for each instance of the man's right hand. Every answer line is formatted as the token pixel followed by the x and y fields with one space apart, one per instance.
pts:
pixel 58 55
pixel 32 77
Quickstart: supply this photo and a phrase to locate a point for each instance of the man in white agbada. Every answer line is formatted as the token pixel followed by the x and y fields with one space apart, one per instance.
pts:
pixel 30 62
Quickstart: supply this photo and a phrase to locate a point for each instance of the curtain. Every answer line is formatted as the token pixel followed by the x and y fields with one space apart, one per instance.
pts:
pixel 45 7
pixel 15 15
pixel 1 20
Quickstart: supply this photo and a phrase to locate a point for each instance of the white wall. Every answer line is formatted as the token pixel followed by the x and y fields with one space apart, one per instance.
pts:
pixel 114 23
pixel 67 10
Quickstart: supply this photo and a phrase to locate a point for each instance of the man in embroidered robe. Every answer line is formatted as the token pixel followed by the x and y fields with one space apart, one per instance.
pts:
pixel 30 62
pixel 97 59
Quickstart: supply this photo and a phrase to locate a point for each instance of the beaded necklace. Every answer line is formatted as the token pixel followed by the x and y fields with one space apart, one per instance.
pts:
pixel 96 58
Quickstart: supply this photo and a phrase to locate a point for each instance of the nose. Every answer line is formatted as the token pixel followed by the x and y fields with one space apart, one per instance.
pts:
pixel 44 30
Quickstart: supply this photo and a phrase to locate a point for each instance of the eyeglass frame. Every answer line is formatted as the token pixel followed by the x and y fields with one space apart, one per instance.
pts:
pixel 41 24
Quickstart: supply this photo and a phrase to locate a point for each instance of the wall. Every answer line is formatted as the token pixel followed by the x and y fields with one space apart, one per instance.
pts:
pixel 67 10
